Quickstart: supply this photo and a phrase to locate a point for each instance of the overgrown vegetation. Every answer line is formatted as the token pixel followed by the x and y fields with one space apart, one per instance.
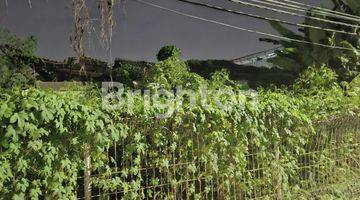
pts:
pixel 43 133
pixel 286 139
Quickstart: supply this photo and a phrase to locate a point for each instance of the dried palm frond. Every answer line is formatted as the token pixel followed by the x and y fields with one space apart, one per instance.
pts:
pixel 102 13
pixel 110 19
pixel 82 24
pixel 77 37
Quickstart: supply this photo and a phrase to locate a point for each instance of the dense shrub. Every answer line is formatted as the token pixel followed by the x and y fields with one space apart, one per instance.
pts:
pixel 42 135
pixel 321 93
pixel 130 73
pixel 171 73
pixel 316 79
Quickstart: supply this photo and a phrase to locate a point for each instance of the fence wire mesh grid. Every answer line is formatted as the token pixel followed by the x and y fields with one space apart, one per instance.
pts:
pixel 330 165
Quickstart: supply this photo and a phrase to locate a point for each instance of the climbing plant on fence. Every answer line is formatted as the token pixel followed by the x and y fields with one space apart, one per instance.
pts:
pixel 200 152
pixel 42 134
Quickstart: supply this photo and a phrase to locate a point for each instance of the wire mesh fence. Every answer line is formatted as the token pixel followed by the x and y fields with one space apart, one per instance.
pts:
pixel 153 166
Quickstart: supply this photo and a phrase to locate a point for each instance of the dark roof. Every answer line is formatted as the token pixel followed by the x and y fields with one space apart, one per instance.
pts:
pixel 258 59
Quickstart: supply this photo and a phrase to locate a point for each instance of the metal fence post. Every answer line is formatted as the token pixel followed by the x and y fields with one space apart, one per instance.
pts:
pixel 87 172
pixel 278 175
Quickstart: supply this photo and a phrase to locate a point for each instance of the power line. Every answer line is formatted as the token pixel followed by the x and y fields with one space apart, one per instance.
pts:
pixel 320 8
pixel 293 14
pixel 317 9
pixel 264 18
pixel 242 29
pixel 288 6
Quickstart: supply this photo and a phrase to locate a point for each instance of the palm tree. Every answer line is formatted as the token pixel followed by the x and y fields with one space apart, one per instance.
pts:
pixel 297 56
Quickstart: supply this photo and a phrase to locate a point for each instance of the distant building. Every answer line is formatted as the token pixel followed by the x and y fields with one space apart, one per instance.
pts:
pixel 259 59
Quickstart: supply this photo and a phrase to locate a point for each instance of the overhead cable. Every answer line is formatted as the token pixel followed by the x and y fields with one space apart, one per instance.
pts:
pixel 293 14
pixel 320 8
pixel 265 18
pixel 243 29
pixel 315 11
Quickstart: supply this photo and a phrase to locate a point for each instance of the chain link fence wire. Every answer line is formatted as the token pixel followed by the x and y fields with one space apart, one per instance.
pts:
pixel 328 167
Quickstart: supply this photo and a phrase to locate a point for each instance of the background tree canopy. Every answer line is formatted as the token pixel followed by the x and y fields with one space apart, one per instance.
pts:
pixel 168 52
pixel 15 67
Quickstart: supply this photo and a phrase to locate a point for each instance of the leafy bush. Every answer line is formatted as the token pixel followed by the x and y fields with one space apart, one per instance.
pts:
pixel 354 87
pixel 130 73
pixel 168 52
pixel 316 79
pixel 42 138
pixel 321 94
pixel 171 73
